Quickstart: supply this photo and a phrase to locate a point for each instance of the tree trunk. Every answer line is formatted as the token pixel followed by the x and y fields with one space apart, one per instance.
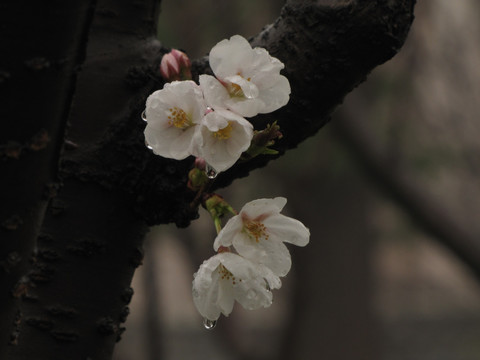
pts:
pixel 45 46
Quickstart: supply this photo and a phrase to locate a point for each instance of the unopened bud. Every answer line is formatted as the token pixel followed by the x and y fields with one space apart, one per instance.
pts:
pixel 262 140
pixel 175 66
pixel 217 206
pixel 200 163
pixel 196 179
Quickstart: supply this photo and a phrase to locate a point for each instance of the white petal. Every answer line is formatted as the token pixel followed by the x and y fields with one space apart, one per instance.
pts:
pixel 214 92
pixel 273 254
pixel 243 106
pixel 272 280
pixel 226 297
pixel 287 229
pixel 262 208
pixel 233 227
pixel 222 153
pixel 229 57
pixel 275 96
pixel 253 294
pixel 165 139
pixel 205 289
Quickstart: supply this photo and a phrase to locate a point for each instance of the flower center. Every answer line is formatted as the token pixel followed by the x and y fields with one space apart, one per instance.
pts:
pixel 235 90
pixel 256 229
pixel 224 133
pixel 225 274
pixel 179 118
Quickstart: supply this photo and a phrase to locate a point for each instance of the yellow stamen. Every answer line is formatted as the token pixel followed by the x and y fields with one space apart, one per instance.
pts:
pixel 235 90
pixel 256 229
pixel 225 274
pixel 179 118
pixel 224 133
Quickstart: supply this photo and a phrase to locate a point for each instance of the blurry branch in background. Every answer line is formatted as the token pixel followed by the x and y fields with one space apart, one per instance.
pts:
pixel 419 205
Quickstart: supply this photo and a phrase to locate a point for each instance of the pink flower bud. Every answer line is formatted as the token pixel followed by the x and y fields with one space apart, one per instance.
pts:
pixel 200 163
pixel 175 66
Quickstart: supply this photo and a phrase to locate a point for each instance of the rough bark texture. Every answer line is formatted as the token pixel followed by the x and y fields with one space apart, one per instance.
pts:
pixel 43 46
pixel 77 288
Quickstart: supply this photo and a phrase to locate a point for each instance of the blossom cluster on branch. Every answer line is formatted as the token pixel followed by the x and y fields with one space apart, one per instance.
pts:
pixel 251 259
pixel 207 120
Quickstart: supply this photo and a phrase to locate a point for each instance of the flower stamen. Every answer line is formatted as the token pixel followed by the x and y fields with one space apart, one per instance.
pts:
pixel 225 274
pixel 179 118
pixel 256 229
pixel 225 133
pixel 235 90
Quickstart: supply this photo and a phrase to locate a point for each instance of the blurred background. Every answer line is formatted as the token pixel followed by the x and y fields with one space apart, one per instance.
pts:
pixel 381 187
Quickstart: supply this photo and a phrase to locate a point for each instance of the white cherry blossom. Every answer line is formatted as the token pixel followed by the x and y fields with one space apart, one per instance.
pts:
pixel 247 82
pixel 221 138
pixel 172 115
pixel 227 277
pixel 259 231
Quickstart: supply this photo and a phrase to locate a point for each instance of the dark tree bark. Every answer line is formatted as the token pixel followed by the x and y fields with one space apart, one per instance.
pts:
pixel 75 295
pixel 42 48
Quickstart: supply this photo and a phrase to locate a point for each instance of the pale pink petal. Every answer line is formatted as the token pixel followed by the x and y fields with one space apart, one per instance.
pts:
pixel 261 208
pixel 231 229
pixel 275 96
pixel 229 57
pixel 273 254
pixel 214 92
pixel 287 229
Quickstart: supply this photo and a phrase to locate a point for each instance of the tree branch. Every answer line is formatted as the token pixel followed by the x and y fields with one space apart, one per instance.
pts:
pixel 327 50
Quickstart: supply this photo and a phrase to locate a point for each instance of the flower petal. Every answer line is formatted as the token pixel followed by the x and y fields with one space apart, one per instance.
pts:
pixel 205 289
pixel 262 208
pixel 275 96
pixel 287 229
pixel 229 56
pixel 231 229
pixel 222 138
pixel 172 114
pixel 272 254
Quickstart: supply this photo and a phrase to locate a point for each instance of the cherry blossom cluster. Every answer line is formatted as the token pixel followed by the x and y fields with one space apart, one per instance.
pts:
pixel 208 120
pixel 251 259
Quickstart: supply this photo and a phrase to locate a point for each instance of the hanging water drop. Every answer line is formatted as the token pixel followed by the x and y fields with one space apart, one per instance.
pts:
pixel 209 324
pixel 210 171
pixel 144 116
pixel 148 145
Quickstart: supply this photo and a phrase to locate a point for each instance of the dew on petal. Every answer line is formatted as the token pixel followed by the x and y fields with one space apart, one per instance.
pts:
pixel 148 145
pixel 144 116
pixel 209 324
pixel 210 171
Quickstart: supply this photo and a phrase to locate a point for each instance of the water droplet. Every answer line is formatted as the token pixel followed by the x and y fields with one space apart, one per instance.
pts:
pixel 267 286
pixel 210 171
pixel 148 145
pixel 144 116
pixel 209 324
